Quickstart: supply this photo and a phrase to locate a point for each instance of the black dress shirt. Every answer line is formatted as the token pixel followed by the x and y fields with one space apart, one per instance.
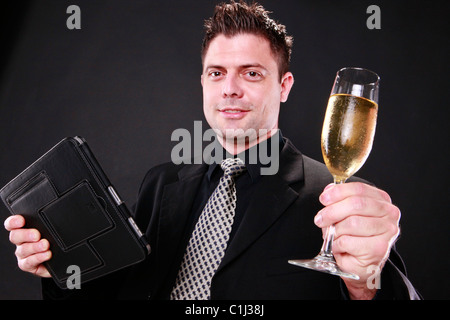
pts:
pixel 244 183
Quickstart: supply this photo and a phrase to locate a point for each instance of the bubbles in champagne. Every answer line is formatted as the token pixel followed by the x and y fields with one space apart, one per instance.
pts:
pixel 347 134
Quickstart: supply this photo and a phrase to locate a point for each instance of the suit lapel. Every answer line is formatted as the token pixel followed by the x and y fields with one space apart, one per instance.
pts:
pixel 177 197
pixel 271 199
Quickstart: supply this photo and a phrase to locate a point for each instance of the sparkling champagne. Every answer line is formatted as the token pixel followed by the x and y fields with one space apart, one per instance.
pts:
pixel 347 134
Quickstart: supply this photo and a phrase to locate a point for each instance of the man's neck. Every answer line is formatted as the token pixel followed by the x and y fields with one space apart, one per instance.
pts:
pixel 236 145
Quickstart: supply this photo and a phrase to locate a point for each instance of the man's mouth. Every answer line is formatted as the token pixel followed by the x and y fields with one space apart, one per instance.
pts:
pixel 233 113
pixel 233 109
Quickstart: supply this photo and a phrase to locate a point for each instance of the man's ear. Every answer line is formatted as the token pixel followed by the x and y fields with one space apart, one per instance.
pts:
pixel 287 81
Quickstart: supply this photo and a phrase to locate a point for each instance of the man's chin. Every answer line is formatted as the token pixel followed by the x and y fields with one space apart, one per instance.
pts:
pixel 244 136
pixel 239 134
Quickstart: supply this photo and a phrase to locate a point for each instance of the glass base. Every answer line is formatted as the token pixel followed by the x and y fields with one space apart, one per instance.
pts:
pixel 324 263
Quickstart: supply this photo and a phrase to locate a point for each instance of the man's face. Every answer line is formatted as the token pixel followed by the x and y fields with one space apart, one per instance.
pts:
pixel 241 85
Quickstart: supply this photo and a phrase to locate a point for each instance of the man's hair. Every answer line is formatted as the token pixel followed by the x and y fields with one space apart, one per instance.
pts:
pixel 236 18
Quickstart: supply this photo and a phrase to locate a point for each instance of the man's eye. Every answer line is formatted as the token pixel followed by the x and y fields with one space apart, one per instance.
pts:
pixel 215 74
pixel 253 75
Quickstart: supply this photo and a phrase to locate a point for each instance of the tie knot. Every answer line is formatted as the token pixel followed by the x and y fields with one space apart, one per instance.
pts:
pixel 233 166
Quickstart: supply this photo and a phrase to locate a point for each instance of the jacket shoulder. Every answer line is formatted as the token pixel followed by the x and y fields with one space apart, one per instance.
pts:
pixel 318 172
pixel 165 171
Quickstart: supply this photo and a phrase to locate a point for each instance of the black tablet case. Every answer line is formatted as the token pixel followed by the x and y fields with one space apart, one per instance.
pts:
pixel 66 195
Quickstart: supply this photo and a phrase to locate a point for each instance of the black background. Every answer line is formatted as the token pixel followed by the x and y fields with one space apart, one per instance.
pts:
pixel 131 76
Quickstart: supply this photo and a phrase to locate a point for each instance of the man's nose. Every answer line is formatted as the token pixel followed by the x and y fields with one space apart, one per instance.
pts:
pixel 232 87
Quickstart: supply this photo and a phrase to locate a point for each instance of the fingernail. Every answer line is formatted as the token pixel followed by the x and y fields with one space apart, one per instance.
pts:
pixel 324 198
pixel 328 186
pixel 318 219
pixel 47 255
pixel 33 236
pixel 43 245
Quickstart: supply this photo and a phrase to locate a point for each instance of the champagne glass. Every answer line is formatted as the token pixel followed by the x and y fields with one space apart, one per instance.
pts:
pixel 347 137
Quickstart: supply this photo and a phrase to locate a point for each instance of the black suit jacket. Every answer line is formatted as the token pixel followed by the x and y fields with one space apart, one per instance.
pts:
pixel 277 226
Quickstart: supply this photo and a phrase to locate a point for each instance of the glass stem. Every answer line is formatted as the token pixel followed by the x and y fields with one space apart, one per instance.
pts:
pixel 328 243
pixel 329 234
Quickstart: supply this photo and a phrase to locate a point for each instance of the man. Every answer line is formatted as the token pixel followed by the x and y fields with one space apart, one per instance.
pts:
pixel 277 216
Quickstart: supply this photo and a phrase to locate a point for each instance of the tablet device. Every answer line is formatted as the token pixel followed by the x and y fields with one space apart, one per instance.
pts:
pixel 67 196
